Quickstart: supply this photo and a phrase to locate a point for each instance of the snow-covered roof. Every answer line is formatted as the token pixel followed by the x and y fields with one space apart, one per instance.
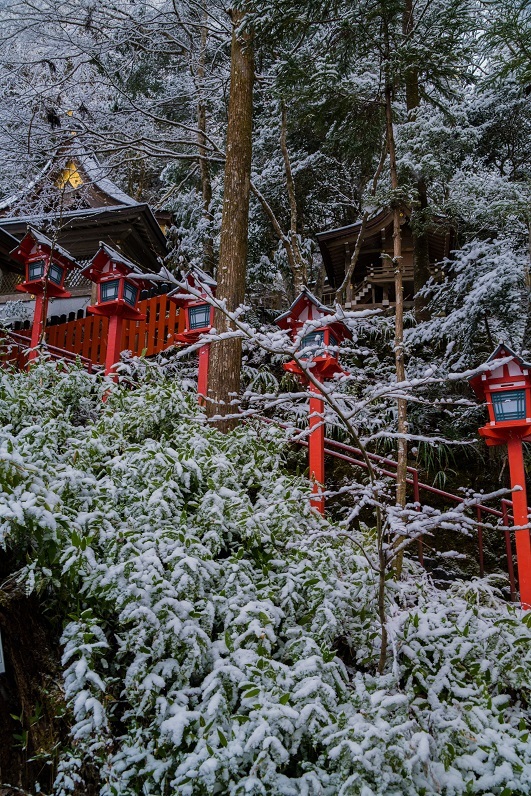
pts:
pixel 42 240
pixel 117 256
pixel 503 350
pixel 305 292
pixel 201 276
pixel 96 174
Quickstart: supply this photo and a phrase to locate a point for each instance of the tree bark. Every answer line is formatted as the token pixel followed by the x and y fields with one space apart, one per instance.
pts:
pixel 225 355
pixel 421 257
pixel 401 470
pixel 204 165
pixel 298 267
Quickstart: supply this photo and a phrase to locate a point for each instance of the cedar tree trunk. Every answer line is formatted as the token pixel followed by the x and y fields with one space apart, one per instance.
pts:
pixel 421 257
pixel 401 470
pixel 204 165
pixel 225 355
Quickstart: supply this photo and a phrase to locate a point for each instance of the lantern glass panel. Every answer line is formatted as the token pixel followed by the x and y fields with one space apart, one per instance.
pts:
pixel 509 405
pixel 55 273
pixel 36 270
pixel 109 290
pixel 199 316
pixel 311 342
pixel 130 293
pixel 333 341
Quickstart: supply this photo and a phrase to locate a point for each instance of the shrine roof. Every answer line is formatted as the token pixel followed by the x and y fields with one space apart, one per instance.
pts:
pixel 72 165
pixel 131 229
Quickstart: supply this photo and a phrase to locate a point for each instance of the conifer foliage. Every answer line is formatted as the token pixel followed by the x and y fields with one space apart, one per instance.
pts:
pixel 217 637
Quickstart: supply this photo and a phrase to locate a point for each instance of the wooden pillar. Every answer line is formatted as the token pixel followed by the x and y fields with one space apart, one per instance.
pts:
pixel 520 513
pixel 39 321
pixel 316 448
pixel 114 343
pixel 202 376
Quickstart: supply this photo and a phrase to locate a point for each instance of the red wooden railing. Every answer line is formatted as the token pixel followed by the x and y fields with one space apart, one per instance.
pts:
pixel 388 467
pixel 14 347
pixel 86 340
pixel 87 337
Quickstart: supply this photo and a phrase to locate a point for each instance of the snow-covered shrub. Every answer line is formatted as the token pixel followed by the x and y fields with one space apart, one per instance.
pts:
pixel 480 303
pixel 218 639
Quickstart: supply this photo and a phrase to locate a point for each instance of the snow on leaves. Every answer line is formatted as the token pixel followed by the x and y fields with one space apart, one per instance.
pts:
pixel 216 638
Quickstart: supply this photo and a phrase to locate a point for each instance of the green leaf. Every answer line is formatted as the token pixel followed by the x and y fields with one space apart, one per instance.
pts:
pixel 284 699
pixel 223 741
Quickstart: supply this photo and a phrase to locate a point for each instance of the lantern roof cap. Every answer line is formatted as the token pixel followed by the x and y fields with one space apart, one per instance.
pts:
pixel 199 275
pixel 32 236
pixel 502 351
pixel 195 277
pixel 304 298
pixel 291 318
pixel 103 255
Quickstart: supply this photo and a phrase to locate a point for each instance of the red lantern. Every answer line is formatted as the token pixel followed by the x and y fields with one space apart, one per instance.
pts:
pixel 46 265
pixel 321 346
pixel 506 387
pixel 197 316
pixel 119 284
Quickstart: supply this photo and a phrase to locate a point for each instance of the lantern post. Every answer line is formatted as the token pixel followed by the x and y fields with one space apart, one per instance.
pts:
pixel 320 348
pixel 45 268
pixel 119 284
pixel 506 388
pixel 195 319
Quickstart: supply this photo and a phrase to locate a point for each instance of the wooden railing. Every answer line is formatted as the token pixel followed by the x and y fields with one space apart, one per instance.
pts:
pixel 14 352
pixel 87 337
pixel 384 466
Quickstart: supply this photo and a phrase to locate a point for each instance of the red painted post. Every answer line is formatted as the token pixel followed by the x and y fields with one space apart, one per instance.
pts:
pixel 416 498
pixel 316 447
pixel 480 541
pixel 39 318
pixel 520 514
pixel 202 376
pixel 509 550
pixel 114 343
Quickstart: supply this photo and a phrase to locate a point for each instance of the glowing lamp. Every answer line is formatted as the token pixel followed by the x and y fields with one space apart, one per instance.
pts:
pixel 119 282
pixel 506 387
pixel 46 265
pixel 196 316
pixel 45 268
pixel 196 313
pixel 320 347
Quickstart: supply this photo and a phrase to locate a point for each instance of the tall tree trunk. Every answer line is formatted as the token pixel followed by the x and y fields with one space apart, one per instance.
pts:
pixel 225 355
pixel 297 262
pixel 421 257
pixel 204 165
pixel 401 470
